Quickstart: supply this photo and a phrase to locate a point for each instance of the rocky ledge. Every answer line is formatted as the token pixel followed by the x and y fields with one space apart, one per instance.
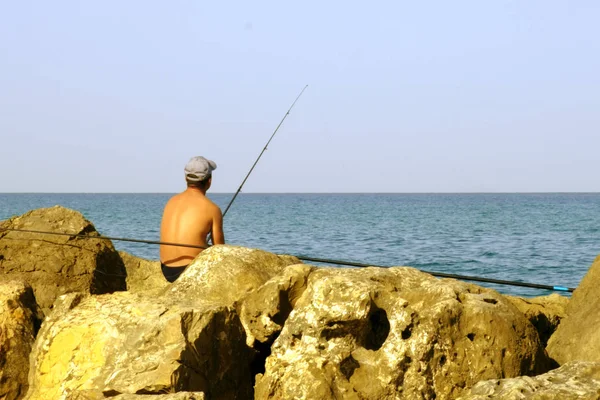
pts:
pixel 79 320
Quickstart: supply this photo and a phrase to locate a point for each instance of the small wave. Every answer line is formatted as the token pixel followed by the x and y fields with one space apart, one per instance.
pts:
pixel 428 265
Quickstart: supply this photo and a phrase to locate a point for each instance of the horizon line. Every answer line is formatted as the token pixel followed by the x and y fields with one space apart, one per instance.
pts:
pixel 293 193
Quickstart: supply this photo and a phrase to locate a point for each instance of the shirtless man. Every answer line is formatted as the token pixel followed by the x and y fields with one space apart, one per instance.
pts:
pixel 188 218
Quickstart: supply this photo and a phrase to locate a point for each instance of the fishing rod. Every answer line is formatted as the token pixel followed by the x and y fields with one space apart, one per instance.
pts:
pixel 261 153
pixel 314 259
pixel 446 275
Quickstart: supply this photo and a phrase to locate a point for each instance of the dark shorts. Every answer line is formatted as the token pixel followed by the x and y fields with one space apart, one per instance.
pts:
pixel 172 273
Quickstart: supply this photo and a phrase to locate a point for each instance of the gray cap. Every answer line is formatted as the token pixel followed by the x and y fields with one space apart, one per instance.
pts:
pixel 199 168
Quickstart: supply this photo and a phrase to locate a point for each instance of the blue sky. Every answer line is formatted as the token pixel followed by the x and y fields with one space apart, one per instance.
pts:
pixel 428 96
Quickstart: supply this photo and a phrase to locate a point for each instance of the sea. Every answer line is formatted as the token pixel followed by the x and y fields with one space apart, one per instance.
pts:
pixel 543 238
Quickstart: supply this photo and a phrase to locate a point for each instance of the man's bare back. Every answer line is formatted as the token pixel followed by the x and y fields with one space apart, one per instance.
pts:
pixel 188 218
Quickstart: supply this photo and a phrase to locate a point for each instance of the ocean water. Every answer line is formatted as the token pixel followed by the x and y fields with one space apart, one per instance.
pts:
pixel 550 239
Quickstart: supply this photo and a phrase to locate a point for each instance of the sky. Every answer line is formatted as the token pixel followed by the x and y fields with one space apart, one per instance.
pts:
pixel 419 96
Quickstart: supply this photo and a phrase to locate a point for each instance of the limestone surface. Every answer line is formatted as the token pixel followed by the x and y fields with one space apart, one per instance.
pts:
pixel 19 320
pixel 577 380
pixel 225 274
pixel 54 265
pixel 95 395
pixel 142 274
pixel 264 311
pixel 544 312
pixel 126 343
pixel 577 338
pixel 396 333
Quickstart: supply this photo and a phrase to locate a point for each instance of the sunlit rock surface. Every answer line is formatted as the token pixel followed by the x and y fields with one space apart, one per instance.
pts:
pixel 54 265
pixel 154 342
pixel 396 333
pixel 170 396
pixel 126 343
pixel 578 335
pixel 225 274
pixel 95 395
pixel 577 380
pixel 19 320
pixel 264 311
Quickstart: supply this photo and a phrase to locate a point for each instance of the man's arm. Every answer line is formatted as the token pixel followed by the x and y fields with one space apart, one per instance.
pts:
pixel 218 237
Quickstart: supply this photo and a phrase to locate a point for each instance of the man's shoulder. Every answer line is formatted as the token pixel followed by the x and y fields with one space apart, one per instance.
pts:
pixel 173 199
pixel 213 206
pixel 207 203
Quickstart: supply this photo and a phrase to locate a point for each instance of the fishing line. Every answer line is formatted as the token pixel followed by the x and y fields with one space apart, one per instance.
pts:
pixel 105 238
pixel 313 259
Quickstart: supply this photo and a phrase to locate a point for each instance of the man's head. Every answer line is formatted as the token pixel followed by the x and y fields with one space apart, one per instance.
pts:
pixel 198 172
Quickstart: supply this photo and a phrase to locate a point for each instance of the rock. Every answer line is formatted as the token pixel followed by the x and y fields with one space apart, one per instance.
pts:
pixel 225 274
pixel 19 321
pixel 578 335
pixel 170 396
pixel 95 395
pixel 396 333
pixel 142 274
pixel 264 311
pixel 54 265
pixel 544 312
pixel 128 343
pixel 577 380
